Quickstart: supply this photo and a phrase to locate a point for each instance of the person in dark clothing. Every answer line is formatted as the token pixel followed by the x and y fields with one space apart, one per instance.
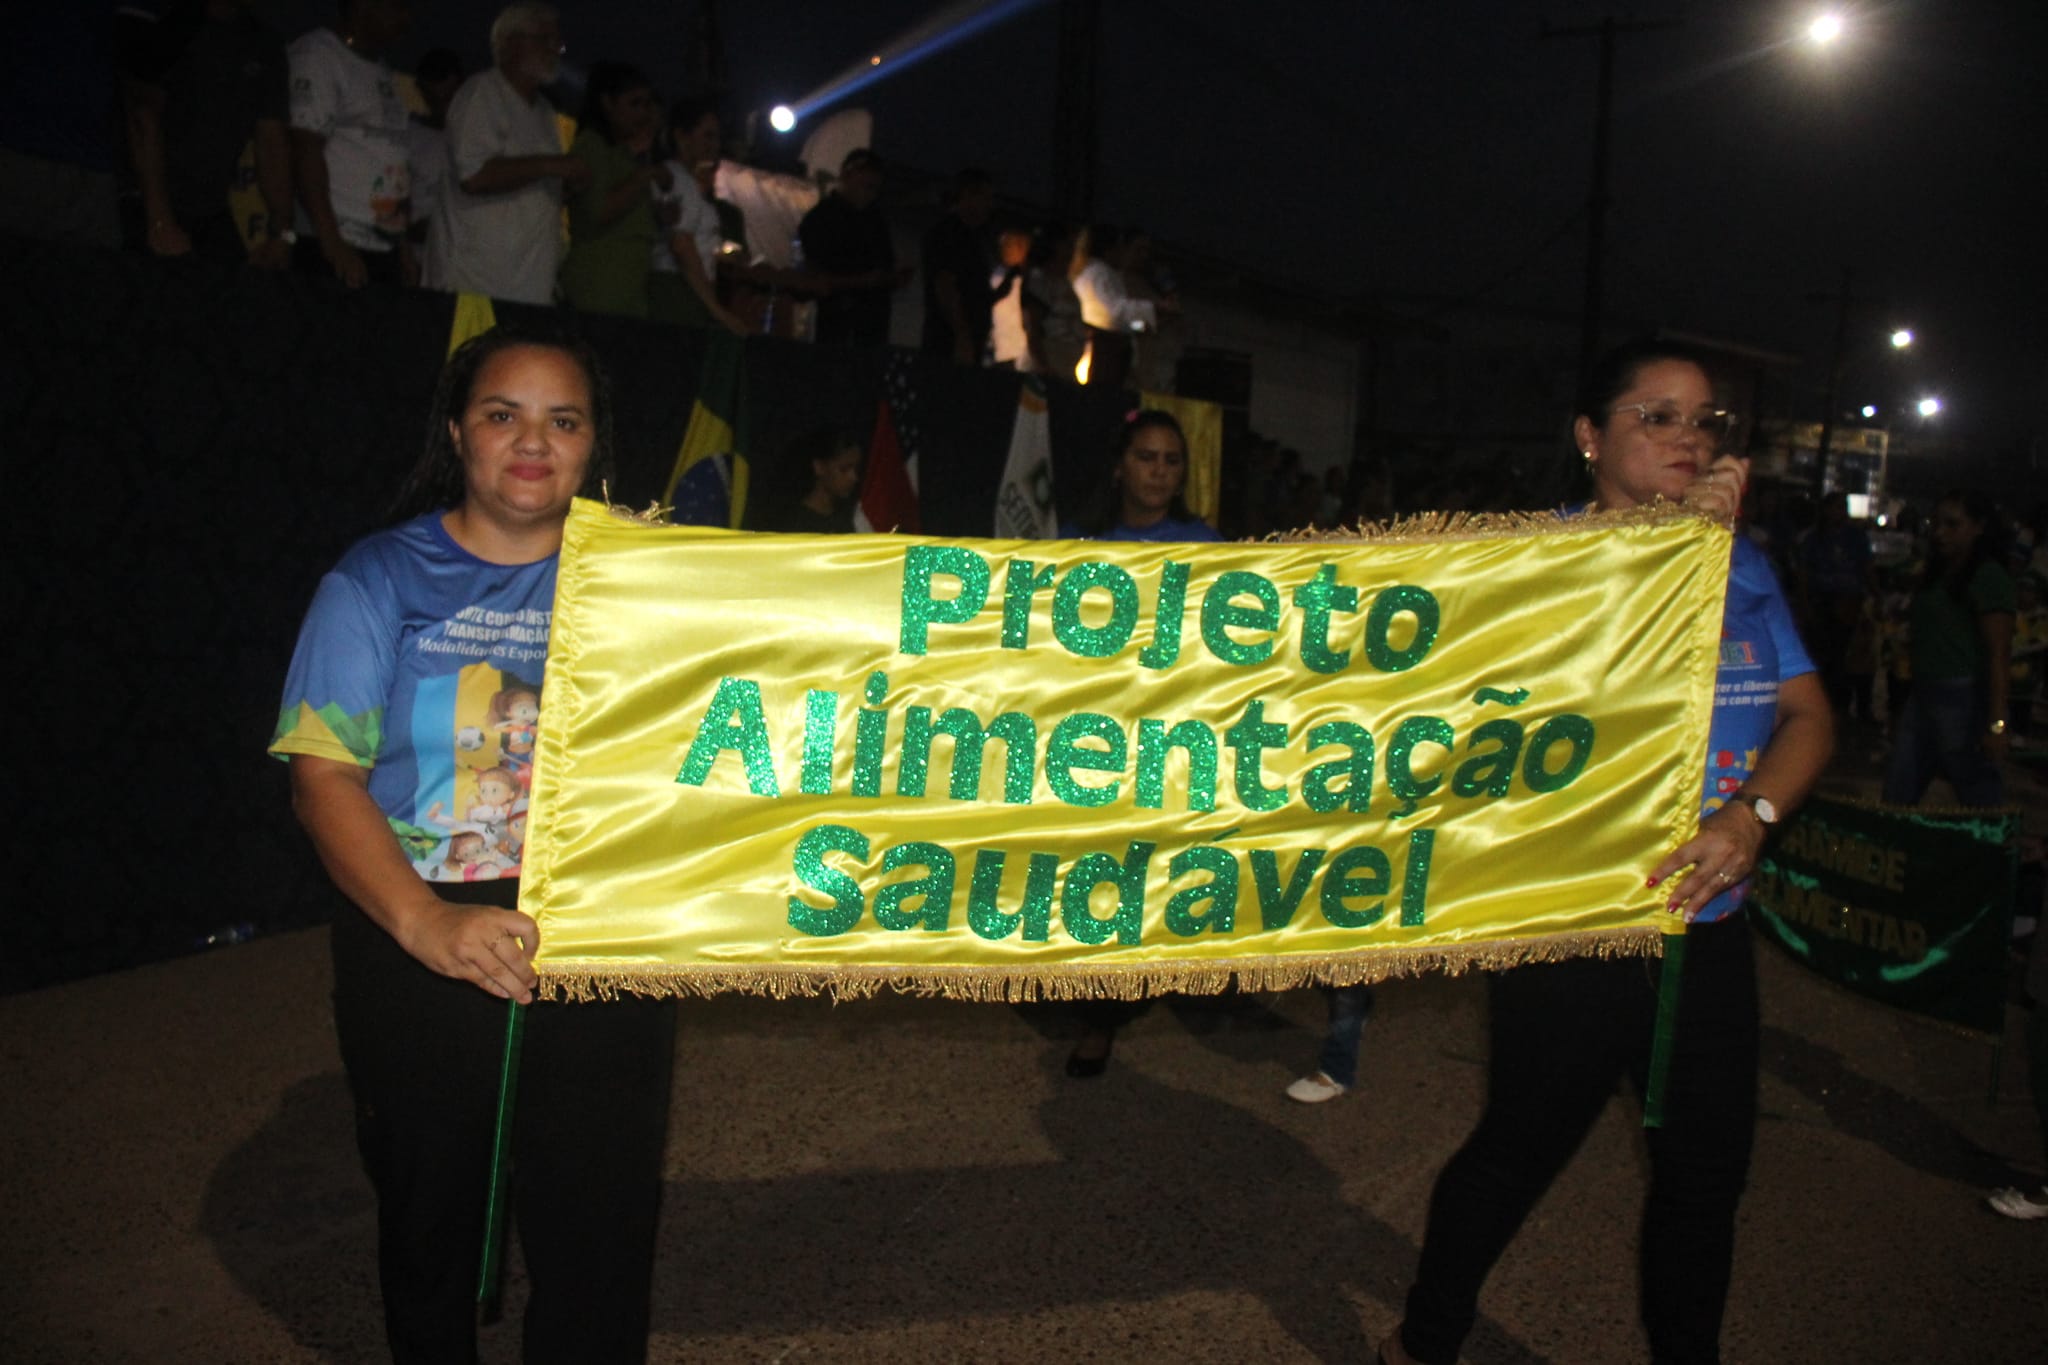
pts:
pixel 846 244
pixel 958 301
pixel 203 79
pixel 828 462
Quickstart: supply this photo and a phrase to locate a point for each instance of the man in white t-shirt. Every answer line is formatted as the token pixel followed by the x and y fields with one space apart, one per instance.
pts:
pixel 498 229
pixel 349 156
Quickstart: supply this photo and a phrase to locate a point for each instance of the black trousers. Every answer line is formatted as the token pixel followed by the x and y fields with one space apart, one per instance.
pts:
pixel 423 1055
pixel 1562 1035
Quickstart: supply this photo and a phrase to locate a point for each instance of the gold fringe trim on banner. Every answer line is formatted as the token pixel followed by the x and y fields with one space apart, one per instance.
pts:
pixel 1442 526
pixel 1075 981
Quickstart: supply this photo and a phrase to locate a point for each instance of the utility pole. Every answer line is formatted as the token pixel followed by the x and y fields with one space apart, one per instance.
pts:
pixel 1827 408
pixel 1074 110
pixel 1596 198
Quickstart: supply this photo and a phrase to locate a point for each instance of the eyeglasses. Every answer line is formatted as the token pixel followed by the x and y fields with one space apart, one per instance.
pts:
pixel 1667 423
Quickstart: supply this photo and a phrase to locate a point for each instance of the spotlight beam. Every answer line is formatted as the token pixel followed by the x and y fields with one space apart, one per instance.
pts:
pixel 926 38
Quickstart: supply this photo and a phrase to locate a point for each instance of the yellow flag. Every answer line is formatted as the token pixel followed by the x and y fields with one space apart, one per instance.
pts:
pixel 1203 423
pixel 1005 768
pixel 472 318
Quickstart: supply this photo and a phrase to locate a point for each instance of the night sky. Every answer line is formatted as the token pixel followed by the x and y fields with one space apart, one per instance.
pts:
pixel 1415 153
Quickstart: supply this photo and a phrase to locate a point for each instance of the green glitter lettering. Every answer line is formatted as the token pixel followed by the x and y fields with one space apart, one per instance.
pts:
pixel 1020 585
pixel 1317 598
pixel 1075 634
pixel 870 739
pixel 1249 739
pixel 1379 624
pixel 920 609
pixel 1035 914
pixel 734 720
pixel 1489 771
pixel 1573 730
pixel 1167 614
pixel 847 903
pixel 1220 891
pixel 1221 614
pixel 1356 874
pixel 821 717
pixel 935 888
pixel 1193 738
pixel 1099 869
pixel 1064 753
pixel 1356 770
pixel 1401 778
pixel 1277 904
pixel 1415 877
pixel 1018 732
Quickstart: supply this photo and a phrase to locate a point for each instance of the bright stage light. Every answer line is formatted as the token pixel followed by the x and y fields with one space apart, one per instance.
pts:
pixel 1869 410
pixel 1825 28
pixel 782 118
pixel 1927 407
pixel 1902 338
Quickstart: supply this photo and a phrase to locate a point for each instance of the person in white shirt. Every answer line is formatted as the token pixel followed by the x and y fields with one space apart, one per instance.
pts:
pixel 1108 307
pixel 1009 334
pixel 683 284
pixel 498 228
pixel 350 161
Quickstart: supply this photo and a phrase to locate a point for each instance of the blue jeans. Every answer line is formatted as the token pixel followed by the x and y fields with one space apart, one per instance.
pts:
pixel 1350 1007
pixel 1941 734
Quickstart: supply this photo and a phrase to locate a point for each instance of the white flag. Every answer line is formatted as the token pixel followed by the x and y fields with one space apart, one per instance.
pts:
pixel 1024 508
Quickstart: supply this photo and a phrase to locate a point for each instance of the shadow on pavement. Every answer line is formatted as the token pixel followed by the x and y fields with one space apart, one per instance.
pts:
pixel 1157 1192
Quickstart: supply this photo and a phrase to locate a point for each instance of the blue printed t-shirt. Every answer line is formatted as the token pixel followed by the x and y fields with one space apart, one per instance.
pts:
pixel 1165 529
pixel 423 663
pixel 1760 649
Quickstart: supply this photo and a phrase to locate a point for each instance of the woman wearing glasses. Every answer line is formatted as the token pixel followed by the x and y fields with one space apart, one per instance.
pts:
pixel 1563 1033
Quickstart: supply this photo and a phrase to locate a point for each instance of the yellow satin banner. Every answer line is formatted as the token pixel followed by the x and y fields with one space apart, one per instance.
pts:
pixel 1006 769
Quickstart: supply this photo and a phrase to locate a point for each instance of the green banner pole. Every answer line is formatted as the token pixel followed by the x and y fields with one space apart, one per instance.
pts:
pixel 1667 1027
pixel 490 1274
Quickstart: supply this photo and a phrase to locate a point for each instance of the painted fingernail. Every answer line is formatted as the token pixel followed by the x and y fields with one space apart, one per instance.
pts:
pixel 1651 882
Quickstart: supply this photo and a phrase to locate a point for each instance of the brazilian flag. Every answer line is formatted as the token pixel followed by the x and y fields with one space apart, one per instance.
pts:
pixel 709 484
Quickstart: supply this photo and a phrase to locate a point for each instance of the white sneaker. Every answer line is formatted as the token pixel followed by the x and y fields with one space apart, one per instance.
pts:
pixel 1317 1088
pixel 2013 1203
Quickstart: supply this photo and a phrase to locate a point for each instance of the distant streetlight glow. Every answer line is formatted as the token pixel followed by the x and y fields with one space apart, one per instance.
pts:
pixel 1927 407
pixel 782 118
pixel 1825 28
pixel 1870 410
pixel 1902 338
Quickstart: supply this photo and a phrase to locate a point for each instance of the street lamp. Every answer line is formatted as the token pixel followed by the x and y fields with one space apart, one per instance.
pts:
pixel 1825 28
pixel 1928 407
pixel 1902 338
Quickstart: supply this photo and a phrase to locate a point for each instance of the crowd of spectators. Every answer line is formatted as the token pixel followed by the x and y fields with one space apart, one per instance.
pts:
pixel 234 145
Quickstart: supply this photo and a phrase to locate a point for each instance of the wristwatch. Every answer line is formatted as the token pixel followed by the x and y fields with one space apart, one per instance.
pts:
pixel 1761 807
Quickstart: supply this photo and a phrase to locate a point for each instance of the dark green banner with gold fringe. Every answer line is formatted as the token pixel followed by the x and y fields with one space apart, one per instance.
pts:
pixel 1907 905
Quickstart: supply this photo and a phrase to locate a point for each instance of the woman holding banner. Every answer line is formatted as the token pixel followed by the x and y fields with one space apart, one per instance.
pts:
pixel 1562 1034
pixel 411 701
pixel 1142 498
